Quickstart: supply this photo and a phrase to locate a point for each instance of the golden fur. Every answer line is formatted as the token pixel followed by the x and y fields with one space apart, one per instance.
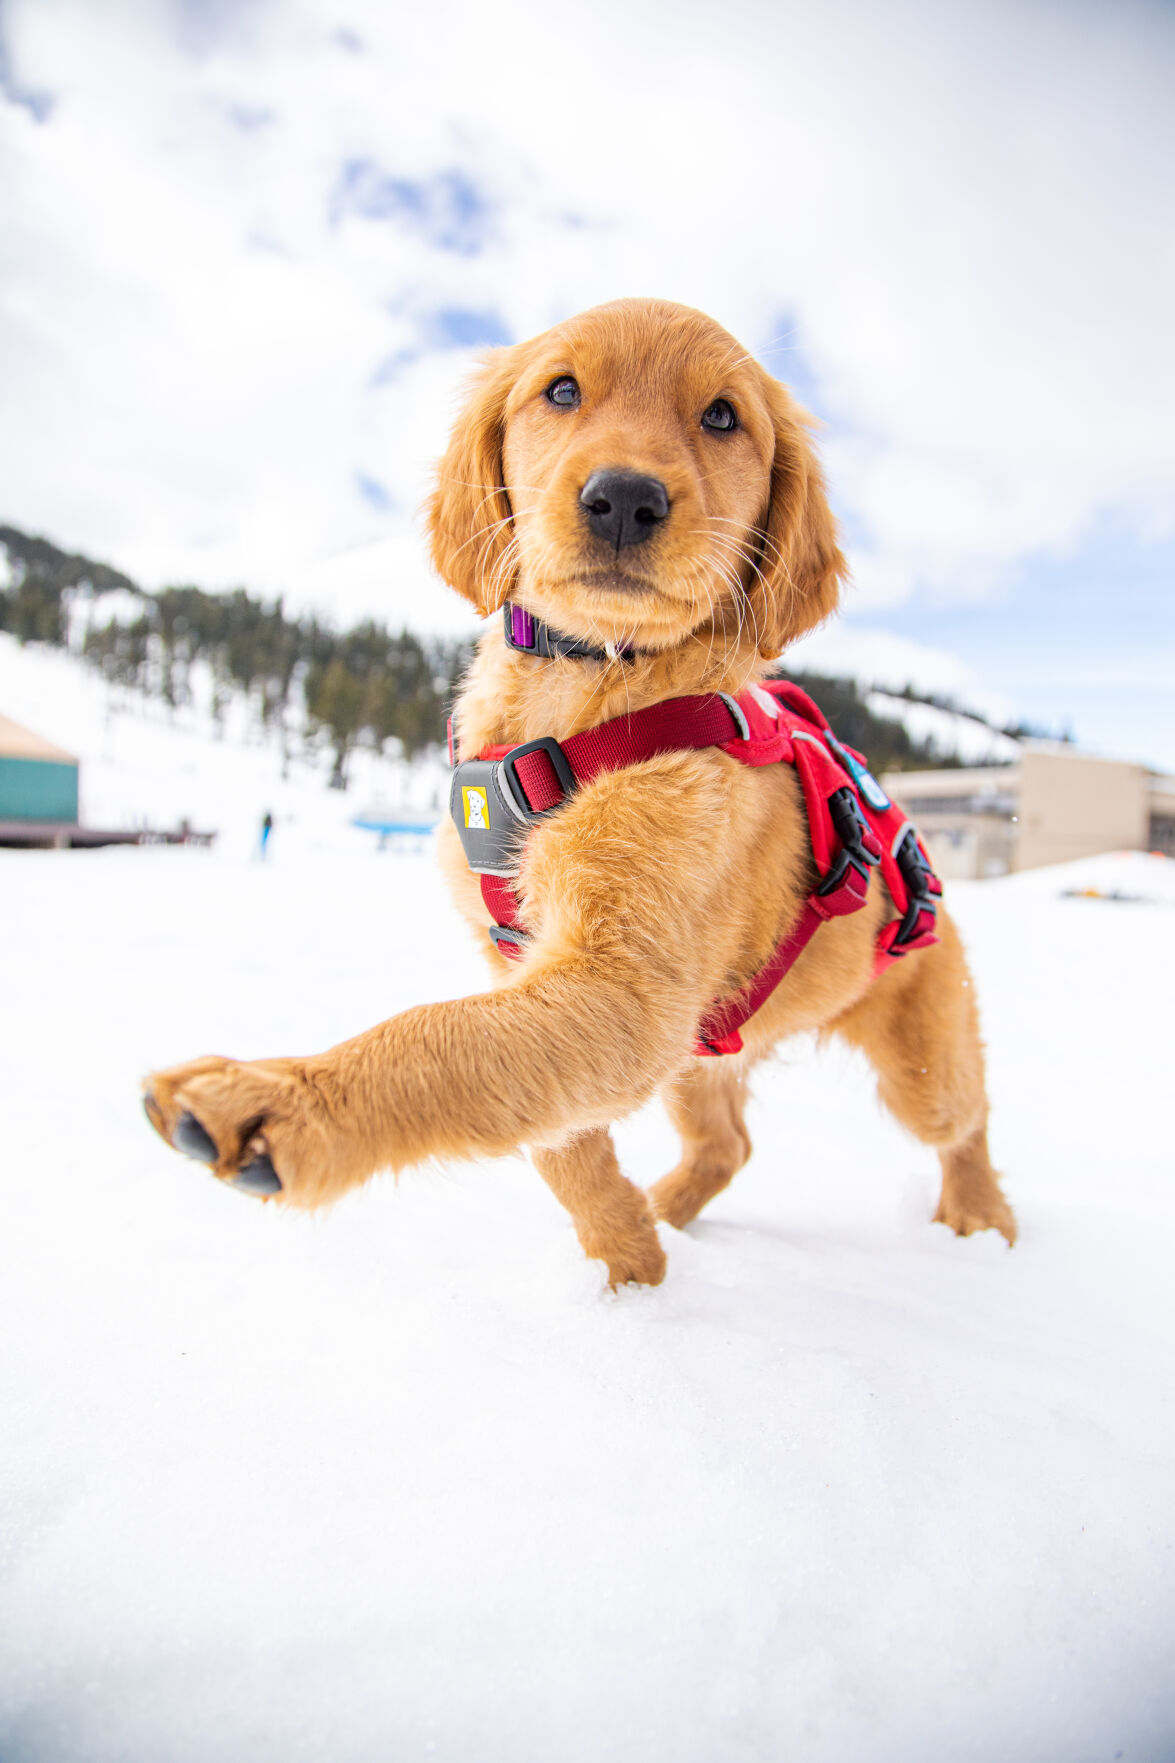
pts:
pixel 656 890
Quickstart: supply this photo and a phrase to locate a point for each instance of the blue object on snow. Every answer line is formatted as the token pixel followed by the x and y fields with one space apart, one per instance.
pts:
pixel 369 824
pixel 387 825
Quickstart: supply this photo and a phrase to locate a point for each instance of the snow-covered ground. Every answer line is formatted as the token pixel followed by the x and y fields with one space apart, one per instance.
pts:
pixel 404 1481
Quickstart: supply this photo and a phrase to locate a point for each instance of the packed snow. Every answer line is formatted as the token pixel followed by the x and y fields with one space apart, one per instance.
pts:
pixel 405 1481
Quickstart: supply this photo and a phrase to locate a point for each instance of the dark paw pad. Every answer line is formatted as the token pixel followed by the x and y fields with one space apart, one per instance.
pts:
pixel 257 1177
pixel 193 1141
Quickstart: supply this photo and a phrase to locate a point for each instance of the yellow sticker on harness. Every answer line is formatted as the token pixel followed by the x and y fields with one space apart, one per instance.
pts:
pixel 477 809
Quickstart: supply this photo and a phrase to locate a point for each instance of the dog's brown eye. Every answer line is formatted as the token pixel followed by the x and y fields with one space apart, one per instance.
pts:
pixel 720 416
pixel 564 391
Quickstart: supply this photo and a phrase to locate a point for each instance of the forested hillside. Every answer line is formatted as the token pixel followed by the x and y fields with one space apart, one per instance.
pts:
pixel 362 685
pixel 365 683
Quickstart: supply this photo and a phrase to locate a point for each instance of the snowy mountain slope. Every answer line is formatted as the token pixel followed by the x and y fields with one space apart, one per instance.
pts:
pixel 404 1481
pixel 142 763
pixel 967 738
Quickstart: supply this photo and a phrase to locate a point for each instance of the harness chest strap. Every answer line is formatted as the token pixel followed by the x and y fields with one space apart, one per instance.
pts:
pixel 498 797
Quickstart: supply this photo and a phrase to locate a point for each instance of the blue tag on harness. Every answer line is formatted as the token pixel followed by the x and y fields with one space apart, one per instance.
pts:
pixel 867 785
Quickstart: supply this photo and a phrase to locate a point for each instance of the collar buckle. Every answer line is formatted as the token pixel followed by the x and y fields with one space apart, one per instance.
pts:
pixel 528 635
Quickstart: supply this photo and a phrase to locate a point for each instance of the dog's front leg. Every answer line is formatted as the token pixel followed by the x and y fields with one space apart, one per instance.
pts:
pixel 564 1048
pixel 612 1217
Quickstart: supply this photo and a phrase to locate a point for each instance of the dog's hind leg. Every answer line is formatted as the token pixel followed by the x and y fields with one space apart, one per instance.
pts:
pixel 705 1103
pixel 611 1216
pixel 919 1026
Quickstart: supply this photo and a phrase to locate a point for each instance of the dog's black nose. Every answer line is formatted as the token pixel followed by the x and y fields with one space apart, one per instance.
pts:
pixel 622 507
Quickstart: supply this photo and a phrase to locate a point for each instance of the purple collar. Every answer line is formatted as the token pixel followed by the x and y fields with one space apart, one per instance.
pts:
pixel 529 636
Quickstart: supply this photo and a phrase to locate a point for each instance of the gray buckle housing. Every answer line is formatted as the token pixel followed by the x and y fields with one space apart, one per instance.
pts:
pixel 490 828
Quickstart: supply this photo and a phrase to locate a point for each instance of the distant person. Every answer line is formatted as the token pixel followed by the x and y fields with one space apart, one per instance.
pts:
pixel 266 829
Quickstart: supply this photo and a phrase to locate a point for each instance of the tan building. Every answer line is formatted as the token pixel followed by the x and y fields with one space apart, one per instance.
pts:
pixel 1052 805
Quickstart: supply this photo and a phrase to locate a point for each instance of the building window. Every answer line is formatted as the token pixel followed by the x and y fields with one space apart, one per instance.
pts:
pixel 1162 834
pixel 1003 806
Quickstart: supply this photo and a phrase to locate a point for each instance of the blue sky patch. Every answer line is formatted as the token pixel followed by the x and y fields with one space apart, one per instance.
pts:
pixel 390 367
pixel 446 209
pixel 375 494
pixel 449 327
pixel 249 117
pixel 1032 641
pixel 782 354
pixel 202 23
pixel 460 327
pixel 38 104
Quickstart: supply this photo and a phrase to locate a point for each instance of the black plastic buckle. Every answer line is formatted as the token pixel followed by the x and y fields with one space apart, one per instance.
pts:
pixel 514 793
pixel 851 825
pixel 836 876
pixel 918 877
pixel 911 862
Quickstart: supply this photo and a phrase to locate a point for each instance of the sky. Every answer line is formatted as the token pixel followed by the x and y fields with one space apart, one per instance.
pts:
pixel 249 254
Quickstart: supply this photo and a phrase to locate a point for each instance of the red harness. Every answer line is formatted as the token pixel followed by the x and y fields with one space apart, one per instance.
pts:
pixel 852 824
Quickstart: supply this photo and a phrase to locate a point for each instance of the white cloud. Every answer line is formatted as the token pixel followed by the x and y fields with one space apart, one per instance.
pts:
pixel 961 209
pixel 877 657
pixel 385 577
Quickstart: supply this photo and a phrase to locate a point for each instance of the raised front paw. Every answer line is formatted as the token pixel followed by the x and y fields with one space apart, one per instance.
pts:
pixel 265 1127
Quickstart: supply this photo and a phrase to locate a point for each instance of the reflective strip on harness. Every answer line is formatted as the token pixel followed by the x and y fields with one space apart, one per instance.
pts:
pixel 769 724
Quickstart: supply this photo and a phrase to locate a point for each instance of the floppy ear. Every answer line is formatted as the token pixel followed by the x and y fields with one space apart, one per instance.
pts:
pixel 470 522
pixel 801 562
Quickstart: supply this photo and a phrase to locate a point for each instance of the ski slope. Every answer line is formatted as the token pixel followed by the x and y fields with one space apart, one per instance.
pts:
pixel 143 764
pixel 404 1481
pixel 952 732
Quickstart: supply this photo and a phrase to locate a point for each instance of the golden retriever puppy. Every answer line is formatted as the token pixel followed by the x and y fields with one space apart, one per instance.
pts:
pixel 637 484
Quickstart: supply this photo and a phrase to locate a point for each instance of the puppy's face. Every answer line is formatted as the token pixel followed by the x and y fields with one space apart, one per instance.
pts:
pixel 632 476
